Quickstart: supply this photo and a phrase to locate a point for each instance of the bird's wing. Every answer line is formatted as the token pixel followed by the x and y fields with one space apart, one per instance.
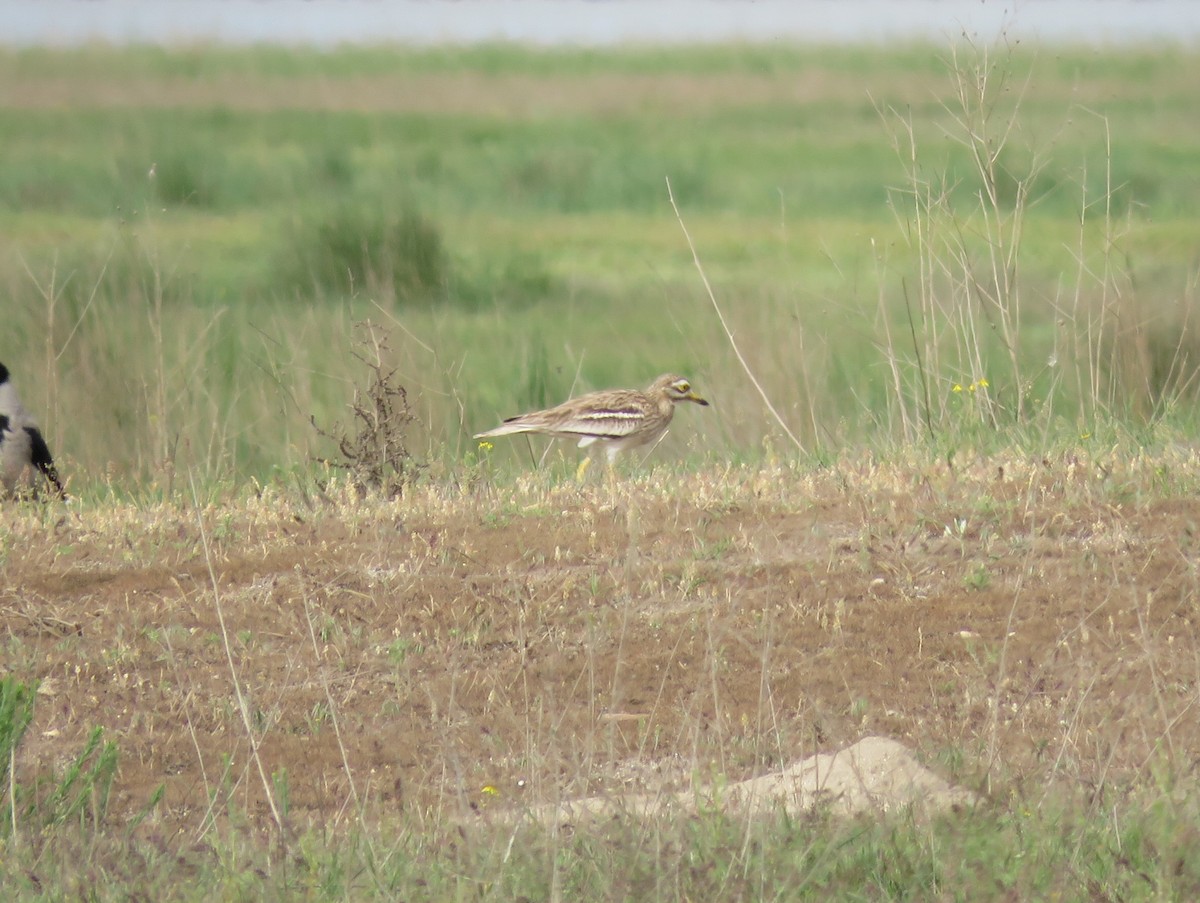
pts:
pixel 610 423
pixel 600 415
pixel 597 415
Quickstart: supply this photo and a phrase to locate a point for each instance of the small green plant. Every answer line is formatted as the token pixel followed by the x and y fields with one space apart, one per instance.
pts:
pixel 82 791
pixel 16 711
pixel 317 717
pixel 283 790
pixel 714 550
pixel 978 577
pixel 400 648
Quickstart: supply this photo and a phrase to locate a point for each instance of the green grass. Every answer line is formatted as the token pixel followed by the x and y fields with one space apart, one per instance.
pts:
pixel 1131 850
pixel 216 220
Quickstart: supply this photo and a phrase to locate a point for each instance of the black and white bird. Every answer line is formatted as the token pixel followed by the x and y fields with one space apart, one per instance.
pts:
pixel 21 442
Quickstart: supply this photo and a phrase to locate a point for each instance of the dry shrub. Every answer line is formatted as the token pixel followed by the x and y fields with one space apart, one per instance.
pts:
pixel 374 450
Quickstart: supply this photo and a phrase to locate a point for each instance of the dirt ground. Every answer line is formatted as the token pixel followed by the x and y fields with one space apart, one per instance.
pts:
pixel 465 648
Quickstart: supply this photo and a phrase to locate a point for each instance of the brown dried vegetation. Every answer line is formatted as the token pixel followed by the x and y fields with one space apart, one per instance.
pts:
pixel 1014 621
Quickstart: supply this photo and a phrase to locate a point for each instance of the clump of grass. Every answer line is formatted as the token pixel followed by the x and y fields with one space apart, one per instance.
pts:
pixel 184 179
pixel 82 791
pixel 962 317
pixel 389 254
pixel 978 347
pixel 16 711
pixel 1149 355
pixel 397 257
pixel 374 451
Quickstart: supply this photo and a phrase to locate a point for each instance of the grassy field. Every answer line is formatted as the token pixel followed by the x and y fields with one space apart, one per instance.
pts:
pixel 504 216
pixel 964 280
pixel 327 697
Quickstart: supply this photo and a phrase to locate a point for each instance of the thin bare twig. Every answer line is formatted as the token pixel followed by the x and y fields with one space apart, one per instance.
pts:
pixel 725 326
pixel 243 706
pixel 337 729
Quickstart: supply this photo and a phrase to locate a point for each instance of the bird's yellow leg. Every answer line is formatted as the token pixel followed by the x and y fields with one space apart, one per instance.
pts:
pixel 582 469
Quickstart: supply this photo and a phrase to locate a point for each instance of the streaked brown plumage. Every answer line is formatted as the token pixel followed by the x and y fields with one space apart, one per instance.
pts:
pixel 618 419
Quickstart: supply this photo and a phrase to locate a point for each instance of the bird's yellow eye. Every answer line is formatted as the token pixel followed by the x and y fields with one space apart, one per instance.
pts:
pixel 683 387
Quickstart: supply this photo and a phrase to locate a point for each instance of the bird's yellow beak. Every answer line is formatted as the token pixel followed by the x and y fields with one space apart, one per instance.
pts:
pixel 692 396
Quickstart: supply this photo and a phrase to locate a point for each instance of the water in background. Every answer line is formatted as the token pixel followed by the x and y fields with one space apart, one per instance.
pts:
pixel 327 23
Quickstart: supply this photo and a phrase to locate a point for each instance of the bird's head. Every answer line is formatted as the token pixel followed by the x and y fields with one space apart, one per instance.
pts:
pixel 676 388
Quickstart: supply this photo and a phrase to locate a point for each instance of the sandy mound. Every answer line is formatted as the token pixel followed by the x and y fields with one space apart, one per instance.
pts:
pixel 876 773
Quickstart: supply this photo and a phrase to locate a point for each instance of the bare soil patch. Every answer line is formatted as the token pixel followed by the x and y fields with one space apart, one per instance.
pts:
pixel 466 649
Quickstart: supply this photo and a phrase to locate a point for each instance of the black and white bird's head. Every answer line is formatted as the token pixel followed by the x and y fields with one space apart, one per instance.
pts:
pixel 22 446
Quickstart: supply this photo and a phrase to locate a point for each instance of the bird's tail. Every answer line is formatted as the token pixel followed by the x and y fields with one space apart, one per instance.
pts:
pixel 39 456
pixel 505 429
